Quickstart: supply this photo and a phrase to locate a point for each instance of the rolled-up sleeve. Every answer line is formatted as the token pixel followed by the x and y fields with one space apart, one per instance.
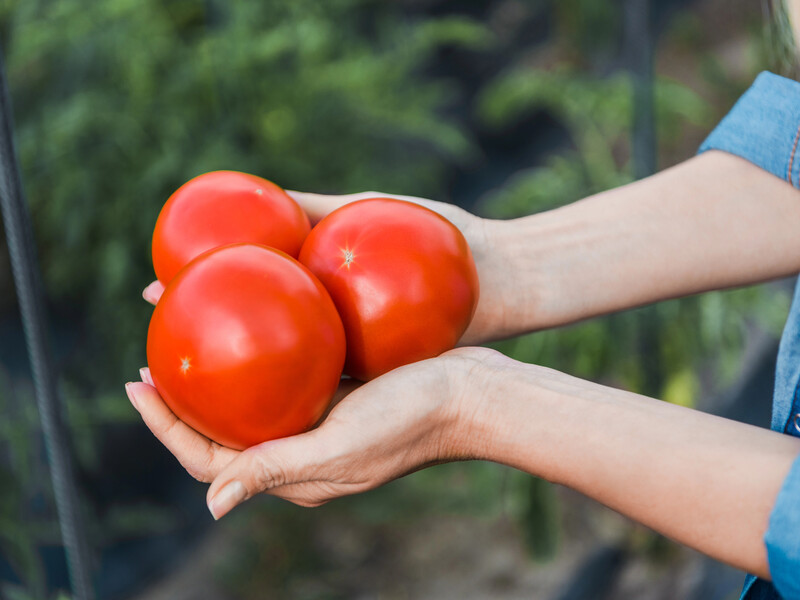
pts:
pixel 783 537
pixel 764 127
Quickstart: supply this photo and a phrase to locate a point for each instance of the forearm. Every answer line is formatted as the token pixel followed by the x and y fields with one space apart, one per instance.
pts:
pixel 705 481
pixel 713 222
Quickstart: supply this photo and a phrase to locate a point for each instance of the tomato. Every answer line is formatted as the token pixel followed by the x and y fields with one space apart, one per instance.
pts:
pixel 402 278
pixel 245 345
pixel 225 207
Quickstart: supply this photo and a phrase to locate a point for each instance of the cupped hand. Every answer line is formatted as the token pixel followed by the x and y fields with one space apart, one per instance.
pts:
pixel 395 424
pixel 398 423
pixel 490 315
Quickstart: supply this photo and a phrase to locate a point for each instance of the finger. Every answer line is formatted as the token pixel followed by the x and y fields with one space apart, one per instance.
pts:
pixel 317 206
pixel 144 373
pixel 153 292
pixel 201 457
pixel 264 467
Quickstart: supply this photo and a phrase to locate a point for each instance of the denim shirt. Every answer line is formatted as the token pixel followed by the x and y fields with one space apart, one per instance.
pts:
pixel 764 128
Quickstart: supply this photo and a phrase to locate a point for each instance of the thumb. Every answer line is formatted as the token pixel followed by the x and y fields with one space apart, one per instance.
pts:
pixel 261 468
pixel 318 206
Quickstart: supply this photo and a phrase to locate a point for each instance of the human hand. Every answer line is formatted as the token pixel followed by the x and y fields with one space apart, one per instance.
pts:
pixel 488 322
pixel 400 422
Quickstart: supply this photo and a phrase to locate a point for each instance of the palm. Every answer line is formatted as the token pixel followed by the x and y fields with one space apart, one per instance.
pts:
pixel 373 433
pixel 202 457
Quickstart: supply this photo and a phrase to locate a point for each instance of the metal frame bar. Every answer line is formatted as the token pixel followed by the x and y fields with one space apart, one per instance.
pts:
pixel 27 280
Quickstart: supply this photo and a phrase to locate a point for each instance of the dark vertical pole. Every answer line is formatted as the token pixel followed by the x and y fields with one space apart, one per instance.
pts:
pixel 640 48
pixel 19 236
pixel 596 576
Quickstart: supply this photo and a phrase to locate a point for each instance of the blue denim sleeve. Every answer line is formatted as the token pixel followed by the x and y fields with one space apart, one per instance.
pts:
pixel 764 127
pixel 783 537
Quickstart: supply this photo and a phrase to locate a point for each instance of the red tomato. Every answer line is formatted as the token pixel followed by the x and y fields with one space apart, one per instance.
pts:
pixel 224 207
pixel 402 278
pixel 245 345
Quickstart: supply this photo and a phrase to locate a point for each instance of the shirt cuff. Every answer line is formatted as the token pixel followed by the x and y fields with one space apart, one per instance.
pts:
pixel 783 537
pixel 764 127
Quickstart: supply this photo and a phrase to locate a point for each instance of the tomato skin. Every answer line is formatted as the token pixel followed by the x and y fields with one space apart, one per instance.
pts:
pixel 220 208
pixel 245 345
pixel 402 277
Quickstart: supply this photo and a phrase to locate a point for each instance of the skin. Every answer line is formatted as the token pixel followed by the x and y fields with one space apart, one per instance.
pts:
pixel 793 8
pixel 712 222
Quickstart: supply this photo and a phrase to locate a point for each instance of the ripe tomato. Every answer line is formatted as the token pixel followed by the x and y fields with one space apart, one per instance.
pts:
pixel 402 278
pixel 224 207
pixel 245 345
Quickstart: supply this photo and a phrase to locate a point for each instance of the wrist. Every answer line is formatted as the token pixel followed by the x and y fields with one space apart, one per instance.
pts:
pixel 518 414
pixel 524 273
pixel 476 413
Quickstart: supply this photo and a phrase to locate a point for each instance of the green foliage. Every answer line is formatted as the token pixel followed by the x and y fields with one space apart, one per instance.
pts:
pixel 541 519
pixel 597 113
pixel 20 481
pixel 654 350
pixel 15 592
pixel 589 29
pixel 119 105
pixel 657 350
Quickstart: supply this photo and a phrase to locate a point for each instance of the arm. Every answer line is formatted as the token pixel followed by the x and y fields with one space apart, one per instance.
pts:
pixel 712 222
pixel 707 482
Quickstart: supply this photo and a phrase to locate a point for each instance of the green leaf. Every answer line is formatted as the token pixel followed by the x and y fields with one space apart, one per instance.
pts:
pixel 682 388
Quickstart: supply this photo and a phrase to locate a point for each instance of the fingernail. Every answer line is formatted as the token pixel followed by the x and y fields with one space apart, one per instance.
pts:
pixel 148 295
pixel 144 373
pixel 226 499
pixel 131 395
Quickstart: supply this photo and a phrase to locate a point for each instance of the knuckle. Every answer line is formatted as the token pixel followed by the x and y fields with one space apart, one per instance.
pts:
pixel 199 462
pixel 208 458
pixel 165 430
pixel 267 473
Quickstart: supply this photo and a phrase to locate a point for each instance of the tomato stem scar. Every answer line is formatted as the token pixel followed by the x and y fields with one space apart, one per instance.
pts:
pixel 185 365
pixel 348 257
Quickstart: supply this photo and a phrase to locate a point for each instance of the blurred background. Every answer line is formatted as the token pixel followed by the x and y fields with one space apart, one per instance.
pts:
pixel 505 108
